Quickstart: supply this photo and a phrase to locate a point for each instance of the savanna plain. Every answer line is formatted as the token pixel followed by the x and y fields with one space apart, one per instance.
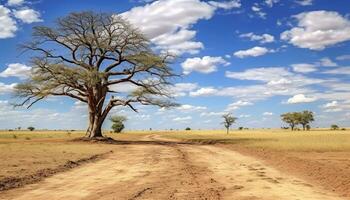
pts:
pixel 197 164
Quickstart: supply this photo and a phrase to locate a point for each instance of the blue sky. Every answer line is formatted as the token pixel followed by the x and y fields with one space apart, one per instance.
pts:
pixel 255 59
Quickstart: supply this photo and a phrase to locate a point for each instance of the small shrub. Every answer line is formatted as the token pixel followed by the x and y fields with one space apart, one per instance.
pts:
pixel 27 138
pixel 14 136
pixel 188 129
pixel 69 133
pixel 240 128
pixel 10 130
pixel 30 128
pixel 343 129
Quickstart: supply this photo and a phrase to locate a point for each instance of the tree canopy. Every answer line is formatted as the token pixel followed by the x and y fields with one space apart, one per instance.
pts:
pixel 89 56
pixel 294 118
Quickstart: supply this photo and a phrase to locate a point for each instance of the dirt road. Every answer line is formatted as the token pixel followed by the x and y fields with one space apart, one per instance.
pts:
pixel 170 170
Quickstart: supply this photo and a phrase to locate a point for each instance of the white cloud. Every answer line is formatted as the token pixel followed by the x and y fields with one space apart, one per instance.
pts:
pixel 317 30
pixel 261 74
pixel 16 70
pixel 339 70
pixel 253 52
pixel 326 62
pixel 258 11
pixel 204 65
pixel 264 38
pixel 183 119
pixel 4 88
pixel 8 26
pixel 27 15
pixel 267 114
pixel 181 89
pixel 333 106
pixel 190 108
pixel 271 2
pixel 236 105
pixel 167 23
pixel 343 57
pixel 226 5
pixel 300 98
pixel 304 68
pixel 15 2
pixel 304 2
pixel 207 91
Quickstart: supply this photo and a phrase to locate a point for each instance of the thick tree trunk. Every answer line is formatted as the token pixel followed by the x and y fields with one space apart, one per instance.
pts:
pixel 95 126
pixel 227 130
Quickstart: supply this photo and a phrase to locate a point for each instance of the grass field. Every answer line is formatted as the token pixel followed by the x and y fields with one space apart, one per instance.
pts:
pixel 316 140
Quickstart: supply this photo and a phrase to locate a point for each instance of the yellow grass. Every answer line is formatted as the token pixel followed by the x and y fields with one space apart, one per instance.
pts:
pixel 315 140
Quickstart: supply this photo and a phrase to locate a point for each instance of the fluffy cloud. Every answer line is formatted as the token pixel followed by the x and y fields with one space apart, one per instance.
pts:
pixel 27 15
pixel 264 38
pixel 15 2
pixel 16 70
pixel 326 62
pixel 170 31
pixel 4 88
pixel 8 26
pixel 181 89
pixel 300 98
pixel 304 68
pixel 204 65
pixel 236 105
pixel 190 108
pixel 256 8
pixel 333 106
pixel 208 91
pixel 317 30
pixel 253 52
pixel 271 2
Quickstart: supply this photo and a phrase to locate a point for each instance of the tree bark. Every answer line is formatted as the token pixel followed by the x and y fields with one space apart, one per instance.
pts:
pixel 95 126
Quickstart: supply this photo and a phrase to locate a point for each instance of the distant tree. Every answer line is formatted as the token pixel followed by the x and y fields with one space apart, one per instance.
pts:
pixel 118 123
pixel 30 128
pixel 291 118
pixel 240 128
pixel 334 127
pixel 188 129
pixel 305 118
pixel 228 121
pixel 85 56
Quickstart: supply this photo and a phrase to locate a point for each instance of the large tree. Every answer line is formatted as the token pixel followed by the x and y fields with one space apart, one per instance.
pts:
pixel 305 118
pixel 291 118
pixel 89 56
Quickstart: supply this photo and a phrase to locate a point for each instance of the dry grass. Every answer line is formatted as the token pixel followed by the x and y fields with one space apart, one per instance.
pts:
pixel 29 152
pixel 316 140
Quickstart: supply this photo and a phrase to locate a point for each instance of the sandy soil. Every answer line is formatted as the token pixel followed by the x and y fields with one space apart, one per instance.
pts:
pixel 171 170
pixel 331 170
